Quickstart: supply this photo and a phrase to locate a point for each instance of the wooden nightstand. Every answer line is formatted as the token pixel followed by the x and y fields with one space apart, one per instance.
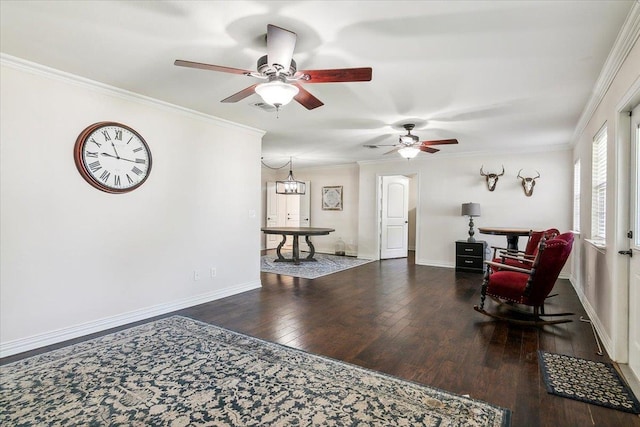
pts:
pixel 470 256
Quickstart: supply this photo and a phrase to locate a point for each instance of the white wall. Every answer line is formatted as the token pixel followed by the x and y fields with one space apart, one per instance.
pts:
pixel 74 259
pixel 600 276
pixel 446 181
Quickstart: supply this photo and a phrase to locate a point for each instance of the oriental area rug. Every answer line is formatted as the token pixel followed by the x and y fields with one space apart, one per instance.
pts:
pixel 325 264
pixel 592 382
pixel 177 371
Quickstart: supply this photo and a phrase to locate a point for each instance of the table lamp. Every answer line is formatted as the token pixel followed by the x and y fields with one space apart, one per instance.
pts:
pixel 470 210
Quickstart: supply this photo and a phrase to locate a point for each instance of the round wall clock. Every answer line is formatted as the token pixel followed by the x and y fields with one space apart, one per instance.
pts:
pixel 112 157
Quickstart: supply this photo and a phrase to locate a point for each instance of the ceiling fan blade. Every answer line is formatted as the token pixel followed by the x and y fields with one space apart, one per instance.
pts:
pixel 210 67
pixel 338 75
pixel 280 46
pixel 439 142
pixel 241 95
pixel 306 99
pixel 428 149
pixel 395 150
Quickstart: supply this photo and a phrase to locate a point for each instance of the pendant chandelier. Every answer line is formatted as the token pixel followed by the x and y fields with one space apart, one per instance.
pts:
pixel 290 186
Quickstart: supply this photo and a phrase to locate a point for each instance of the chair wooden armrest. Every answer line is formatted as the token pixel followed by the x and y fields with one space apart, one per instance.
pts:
pixel 518 258
pixel 500 266
pixel 496 249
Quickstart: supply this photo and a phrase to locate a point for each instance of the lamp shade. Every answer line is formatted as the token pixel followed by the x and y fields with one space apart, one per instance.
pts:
pixel 409 152
pixel 470 209
pixel 276 92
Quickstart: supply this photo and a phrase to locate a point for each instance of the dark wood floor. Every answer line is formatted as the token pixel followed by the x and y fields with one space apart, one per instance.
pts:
pixel 417 323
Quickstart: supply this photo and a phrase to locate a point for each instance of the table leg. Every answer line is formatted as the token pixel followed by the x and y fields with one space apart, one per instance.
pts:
pixel 284 240
pixel 311 248
pixel 296 250
pixel 512 242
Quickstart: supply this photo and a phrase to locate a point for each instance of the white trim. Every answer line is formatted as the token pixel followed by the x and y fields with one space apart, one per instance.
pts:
pixel 52 73
pixel 606 340
pixel 433 263
pixel 625 41
pixel 25 344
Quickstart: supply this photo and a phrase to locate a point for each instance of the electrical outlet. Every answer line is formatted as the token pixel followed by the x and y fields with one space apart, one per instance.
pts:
pixel 196 275
pixel 213 272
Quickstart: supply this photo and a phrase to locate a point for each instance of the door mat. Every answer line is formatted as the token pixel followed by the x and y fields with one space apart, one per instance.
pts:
pixel 592 382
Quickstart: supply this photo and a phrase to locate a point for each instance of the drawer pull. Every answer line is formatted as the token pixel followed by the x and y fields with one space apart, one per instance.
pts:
pixel 468 250
pixel 466 261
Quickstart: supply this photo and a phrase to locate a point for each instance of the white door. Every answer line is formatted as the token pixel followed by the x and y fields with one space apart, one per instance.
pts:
pixel 293 210
pixel 634 261
pixel 272 215
pixel 394 213
pixel 305 213
pixel 287 211
pixel 305 207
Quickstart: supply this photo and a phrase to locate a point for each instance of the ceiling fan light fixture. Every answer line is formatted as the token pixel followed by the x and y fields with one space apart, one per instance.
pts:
pixel 276 92
pixel 409 152
pixel 408 139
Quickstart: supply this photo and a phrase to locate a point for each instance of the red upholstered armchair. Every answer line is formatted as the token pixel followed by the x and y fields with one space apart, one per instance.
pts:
pixel 528 286
pixel 519 258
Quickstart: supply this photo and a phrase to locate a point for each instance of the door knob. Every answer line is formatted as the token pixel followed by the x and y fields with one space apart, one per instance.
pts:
pixel 626 253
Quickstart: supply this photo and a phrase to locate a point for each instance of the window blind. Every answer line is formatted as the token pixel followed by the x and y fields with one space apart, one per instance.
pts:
pixel 576 195
pixel 599 185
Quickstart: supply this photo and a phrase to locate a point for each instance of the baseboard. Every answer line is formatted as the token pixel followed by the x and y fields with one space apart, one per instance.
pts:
pixel 605 339
pixel 30 343
pixel 432 263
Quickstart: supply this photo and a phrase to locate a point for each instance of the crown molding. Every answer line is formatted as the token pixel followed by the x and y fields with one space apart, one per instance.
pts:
pixel 625 41
pixel 52 73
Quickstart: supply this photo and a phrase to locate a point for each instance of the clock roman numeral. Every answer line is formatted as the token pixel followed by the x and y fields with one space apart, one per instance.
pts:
pixel 119 134
pixel 129 179
pixel 136 170
pixel 95 166
pixel 137 149
pixel 105 175
pixel 129 140
pixel 116 180
pixel 95 142
pixel 92 154
pixel 143 161
pixel 105 133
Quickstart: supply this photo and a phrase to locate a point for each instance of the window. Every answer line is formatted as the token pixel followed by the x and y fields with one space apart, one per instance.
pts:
pixel 599 186
pixel 576 196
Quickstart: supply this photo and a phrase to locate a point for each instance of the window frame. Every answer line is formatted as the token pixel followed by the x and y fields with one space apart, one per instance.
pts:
pixel 599 186
pixel 577 196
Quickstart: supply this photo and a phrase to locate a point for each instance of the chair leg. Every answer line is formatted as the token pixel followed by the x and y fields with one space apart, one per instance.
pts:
pixel 533 322
pixel 483 291
pixel 535 315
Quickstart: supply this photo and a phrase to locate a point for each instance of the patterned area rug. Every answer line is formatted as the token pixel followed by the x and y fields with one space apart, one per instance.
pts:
pixel 592 382
pixel 326 264
pixel 178 372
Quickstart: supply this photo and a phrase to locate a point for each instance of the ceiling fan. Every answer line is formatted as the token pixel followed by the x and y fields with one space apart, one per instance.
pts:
pixel 280 72
pixel 408 145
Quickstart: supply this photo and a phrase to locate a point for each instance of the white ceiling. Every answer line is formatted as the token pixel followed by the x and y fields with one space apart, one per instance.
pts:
pixel 496 75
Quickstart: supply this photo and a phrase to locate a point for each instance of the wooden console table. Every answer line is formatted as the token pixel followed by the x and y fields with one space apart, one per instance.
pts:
pixel 295 232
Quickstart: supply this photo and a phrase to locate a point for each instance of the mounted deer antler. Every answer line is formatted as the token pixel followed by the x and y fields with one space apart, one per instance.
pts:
pixel 528 183
pixel 492 178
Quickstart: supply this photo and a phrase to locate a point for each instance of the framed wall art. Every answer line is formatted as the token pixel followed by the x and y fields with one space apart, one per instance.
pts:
pixel 332 198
